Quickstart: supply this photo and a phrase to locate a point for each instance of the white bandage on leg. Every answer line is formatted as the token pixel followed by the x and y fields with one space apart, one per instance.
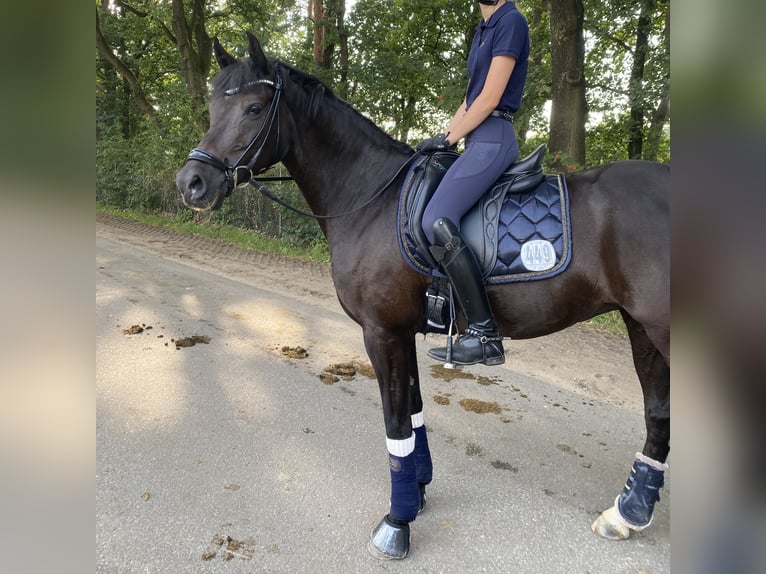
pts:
pixel 401 448
pixel 417 420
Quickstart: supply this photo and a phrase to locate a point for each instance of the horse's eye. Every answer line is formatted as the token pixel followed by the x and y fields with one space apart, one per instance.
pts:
pixel 255 109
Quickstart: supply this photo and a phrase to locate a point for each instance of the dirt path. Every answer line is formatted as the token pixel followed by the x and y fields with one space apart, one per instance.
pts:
pixel 239 442
pixel 582 360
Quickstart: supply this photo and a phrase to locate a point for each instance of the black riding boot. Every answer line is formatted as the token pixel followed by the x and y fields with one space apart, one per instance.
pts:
pixel 481 342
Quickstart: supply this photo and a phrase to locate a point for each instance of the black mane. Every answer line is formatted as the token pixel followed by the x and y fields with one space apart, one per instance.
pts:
pixel 244 71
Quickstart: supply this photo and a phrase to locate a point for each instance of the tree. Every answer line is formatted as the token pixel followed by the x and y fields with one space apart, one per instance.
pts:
pixel 568 108
pixel 537 91
pixel 327 22
pixel 195 50
pixel 123 70
pixel 661 112
pixel 628 71
pixel 636 128
pixel 401 63
pixel 408 71
pixel 139 38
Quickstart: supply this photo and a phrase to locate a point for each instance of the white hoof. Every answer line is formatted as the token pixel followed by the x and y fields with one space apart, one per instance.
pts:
pixel 611 525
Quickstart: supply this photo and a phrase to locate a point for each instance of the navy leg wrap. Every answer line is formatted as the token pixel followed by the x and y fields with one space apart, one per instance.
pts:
pixel 405 494
pixel 423 466
pixel 640 493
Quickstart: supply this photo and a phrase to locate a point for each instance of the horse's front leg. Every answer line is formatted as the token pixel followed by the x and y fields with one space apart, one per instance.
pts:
pixel 423 464
pixel 391 356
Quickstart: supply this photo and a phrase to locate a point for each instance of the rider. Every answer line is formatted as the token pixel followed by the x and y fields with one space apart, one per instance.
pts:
pixel 497 66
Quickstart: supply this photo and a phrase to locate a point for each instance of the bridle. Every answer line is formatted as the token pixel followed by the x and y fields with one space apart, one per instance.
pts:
pixel 239 173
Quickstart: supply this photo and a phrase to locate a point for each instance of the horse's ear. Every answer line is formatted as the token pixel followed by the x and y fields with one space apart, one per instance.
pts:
pixel 257 55
pixel 222 56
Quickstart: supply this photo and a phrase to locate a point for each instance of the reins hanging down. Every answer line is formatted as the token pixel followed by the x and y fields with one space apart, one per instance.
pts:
pixel 269 194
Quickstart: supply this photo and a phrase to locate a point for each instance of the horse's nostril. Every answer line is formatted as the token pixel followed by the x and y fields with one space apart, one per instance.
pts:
pixel 196 187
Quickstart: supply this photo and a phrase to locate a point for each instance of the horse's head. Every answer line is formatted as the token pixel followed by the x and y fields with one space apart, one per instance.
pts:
pixel 244 135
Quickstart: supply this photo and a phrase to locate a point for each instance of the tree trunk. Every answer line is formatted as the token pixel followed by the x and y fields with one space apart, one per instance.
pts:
pixel 654 134
pixel 407 108
pixel 327 19
pixel 568 80
pixel 195 63
pixel 316 17
pixel 662 112
pixel 637 106
pixel 343 41
pixel 126 73
pixel 535 94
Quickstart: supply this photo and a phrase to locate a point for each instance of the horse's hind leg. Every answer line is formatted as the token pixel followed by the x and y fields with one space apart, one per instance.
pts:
pixel 634 506
pixel 654 374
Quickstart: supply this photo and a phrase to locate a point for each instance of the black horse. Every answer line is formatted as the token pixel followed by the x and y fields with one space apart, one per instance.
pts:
pixel 263 111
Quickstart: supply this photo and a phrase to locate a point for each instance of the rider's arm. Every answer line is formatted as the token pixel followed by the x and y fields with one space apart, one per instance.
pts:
pixel 497 79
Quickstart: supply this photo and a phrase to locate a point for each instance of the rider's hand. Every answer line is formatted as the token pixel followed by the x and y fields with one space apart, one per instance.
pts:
pixel 437 143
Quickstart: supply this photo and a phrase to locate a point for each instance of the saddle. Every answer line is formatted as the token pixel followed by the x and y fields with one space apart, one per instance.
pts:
pixel 477 230
pixel 519 230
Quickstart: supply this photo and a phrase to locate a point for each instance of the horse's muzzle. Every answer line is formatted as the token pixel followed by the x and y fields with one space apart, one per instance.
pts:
pixel 202 188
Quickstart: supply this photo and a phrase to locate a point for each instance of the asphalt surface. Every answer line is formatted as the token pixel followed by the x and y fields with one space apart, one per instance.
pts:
pixel 231 456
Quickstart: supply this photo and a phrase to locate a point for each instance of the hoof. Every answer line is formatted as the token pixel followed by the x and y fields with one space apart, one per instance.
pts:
pixel 390 541
pixel 422 488
pixel 611 525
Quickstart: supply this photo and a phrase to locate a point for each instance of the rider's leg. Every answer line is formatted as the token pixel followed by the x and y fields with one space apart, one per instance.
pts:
pixel 481 342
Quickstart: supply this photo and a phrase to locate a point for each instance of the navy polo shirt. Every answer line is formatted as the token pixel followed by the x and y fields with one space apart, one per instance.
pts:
pixel 505 34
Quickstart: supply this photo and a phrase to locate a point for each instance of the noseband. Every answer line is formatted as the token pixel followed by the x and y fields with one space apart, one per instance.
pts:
pixel 239 173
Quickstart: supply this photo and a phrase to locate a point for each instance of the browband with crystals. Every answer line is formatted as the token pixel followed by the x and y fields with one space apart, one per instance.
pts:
pixel 234 91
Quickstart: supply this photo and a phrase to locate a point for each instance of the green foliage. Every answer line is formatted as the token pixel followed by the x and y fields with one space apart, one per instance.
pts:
pixel 610 322
pixel 610 29
pixel 409 67
pixel 607 141
pixel 123 178
pixel 531 119
pixel 406 71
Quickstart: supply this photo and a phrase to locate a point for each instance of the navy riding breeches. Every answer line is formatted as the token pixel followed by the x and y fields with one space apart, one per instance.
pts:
pixel 489 150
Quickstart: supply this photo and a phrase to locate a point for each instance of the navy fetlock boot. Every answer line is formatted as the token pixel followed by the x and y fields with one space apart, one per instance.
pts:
pixel 640 493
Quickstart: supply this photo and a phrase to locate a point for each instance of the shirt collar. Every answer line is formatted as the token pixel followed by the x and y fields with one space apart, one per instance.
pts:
pixel 497 14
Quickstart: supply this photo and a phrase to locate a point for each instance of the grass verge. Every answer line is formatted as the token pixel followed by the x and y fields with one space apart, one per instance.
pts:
pixel 610 322
pixel 238 236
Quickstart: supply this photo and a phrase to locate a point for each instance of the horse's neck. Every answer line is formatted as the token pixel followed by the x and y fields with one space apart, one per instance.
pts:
pixel 338 165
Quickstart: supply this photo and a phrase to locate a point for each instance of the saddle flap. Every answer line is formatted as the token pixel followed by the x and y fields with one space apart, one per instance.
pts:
pixel 422 181
pixel 479 227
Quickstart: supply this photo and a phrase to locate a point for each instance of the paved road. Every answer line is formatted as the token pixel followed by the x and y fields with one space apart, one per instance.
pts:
pixel 231 443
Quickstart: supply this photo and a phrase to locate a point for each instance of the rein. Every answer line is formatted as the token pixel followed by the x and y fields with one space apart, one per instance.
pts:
pixel 232 172
pixel 267 193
